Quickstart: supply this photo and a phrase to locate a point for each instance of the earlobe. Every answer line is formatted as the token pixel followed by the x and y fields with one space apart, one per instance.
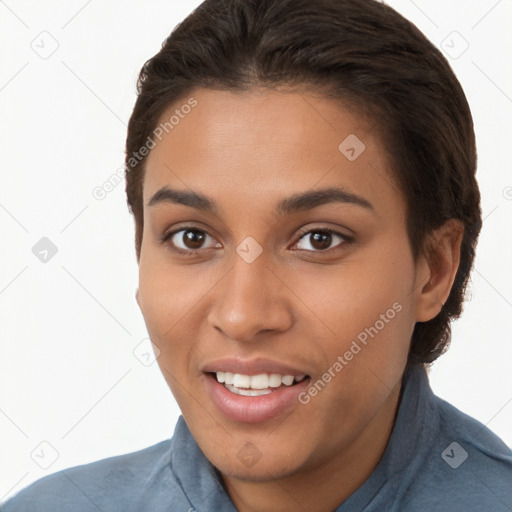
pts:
pixel 442 261
pixel 137 296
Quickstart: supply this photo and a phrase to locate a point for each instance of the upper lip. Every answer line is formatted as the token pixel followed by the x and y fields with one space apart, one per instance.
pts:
pixel 252 367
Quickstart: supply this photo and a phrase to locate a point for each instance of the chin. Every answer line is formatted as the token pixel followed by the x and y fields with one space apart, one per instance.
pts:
pixel 262 471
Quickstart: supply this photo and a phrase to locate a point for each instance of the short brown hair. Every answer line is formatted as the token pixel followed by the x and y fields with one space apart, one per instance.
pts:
pixel 361 52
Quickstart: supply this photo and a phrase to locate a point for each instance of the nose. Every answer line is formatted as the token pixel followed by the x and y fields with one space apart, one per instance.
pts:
pixel 250 300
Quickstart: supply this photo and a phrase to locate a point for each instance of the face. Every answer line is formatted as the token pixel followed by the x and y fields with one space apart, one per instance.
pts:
pixel 282 302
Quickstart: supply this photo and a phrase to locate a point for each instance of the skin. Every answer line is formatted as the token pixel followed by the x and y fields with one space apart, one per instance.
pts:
pixel 296 303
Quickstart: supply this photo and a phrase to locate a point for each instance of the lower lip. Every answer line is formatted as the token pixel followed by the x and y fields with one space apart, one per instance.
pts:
pixel 254 409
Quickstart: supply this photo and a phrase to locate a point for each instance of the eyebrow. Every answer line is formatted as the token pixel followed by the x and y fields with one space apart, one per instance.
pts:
pixel 297 202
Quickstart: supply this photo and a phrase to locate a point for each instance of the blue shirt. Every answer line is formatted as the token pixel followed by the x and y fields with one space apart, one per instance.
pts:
pixel 437 459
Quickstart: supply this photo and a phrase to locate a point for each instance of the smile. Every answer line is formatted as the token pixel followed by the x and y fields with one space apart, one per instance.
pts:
pixel 256 385
pixel 253 391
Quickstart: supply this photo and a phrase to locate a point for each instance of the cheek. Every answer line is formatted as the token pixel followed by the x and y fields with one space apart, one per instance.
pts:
pixel 164 317
pixel 171 300
pixel 349 297
pixel 166 293
pixel 368 308
pixel 164 302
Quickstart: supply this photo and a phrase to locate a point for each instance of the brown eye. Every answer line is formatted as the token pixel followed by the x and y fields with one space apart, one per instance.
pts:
pixel 188 239
pixel 320 240
pixel 193 239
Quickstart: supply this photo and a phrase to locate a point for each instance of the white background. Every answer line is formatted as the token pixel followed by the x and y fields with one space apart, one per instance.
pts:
pixel 68 375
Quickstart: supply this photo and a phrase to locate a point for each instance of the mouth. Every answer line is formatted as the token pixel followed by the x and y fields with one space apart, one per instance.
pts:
pixel 256 385
pixel 259 391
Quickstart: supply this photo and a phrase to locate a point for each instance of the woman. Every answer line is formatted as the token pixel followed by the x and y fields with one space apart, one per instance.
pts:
pixel 302 178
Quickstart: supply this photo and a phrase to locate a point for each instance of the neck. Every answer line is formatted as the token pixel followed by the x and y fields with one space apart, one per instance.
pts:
pixel 324 487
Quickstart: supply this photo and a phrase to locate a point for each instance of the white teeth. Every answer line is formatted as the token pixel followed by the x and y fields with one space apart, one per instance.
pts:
pixel 274 380
pixel 241 381
pixel 259 381
pixel 262 381
pixel 287 380
pixel 248 392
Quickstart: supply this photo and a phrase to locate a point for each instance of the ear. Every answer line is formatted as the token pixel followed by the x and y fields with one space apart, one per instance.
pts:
pixel 137 296
pixel 437 268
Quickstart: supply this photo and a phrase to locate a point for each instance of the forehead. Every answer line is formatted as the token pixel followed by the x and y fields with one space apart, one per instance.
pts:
pixel 258 146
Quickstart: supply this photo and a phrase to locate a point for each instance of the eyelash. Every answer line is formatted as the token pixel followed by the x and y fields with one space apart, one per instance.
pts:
pixel 347 240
